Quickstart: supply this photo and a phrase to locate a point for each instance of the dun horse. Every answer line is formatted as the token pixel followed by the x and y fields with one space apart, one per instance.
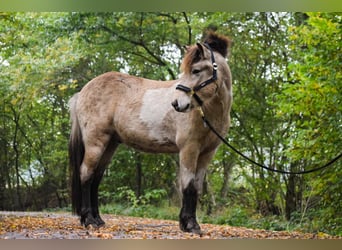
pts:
pixel 152 116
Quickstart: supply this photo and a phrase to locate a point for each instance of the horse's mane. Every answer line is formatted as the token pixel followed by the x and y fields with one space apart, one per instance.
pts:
pixel 218 43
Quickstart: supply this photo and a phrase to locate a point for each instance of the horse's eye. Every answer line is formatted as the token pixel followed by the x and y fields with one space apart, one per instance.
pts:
pixel 195 71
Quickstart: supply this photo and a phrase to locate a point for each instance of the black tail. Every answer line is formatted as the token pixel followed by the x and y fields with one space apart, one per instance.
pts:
pixel 76 154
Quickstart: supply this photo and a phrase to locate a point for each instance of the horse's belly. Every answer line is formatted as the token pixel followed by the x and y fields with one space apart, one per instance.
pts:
pixel 147 143
pixel 154 146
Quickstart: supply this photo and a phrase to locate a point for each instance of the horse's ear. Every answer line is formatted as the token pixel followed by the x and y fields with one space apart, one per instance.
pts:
pixel 221 44
pixel 200 50
pixel 196 52
pixel 193 54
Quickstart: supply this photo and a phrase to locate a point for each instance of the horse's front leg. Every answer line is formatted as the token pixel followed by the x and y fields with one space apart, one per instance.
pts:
pixel 188 164
pixel 192 172
pixel 202 165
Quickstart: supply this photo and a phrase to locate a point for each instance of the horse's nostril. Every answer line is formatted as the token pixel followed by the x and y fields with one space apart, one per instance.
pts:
pixel 175 105
pixel 178 108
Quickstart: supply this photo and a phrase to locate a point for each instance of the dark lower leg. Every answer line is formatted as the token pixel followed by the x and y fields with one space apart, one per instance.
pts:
pixel 104 161
pixel 95 201
pixel 187 217
pixel 86 209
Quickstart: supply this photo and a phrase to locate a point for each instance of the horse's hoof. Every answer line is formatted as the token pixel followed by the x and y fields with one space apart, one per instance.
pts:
pixel 87 221
pixel 99 222
pixel 196 231
pixel 190 226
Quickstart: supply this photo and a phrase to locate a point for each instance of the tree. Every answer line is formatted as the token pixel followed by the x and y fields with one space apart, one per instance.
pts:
pixel 312 107
pixel 34 108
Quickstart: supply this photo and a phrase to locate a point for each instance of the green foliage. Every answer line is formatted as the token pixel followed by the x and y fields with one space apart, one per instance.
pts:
pixel 162 211
pixel 313 107
pixel 234 216
pixel 126 203
pixel 127 195
pixel 316 99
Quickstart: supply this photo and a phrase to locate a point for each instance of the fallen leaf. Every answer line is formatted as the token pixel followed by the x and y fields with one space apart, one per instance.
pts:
pixel 24 225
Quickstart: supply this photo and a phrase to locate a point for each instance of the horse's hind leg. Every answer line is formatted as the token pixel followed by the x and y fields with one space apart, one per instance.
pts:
pixel 95 146
pixel 105 160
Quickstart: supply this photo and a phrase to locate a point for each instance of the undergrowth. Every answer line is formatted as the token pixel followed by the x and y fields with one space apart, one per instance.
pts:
pixel 233 216
pixel 155 204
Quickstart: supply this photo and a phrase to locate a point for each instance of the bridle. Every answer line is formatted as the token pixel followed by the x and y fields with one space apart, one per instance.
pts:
pixel 192 91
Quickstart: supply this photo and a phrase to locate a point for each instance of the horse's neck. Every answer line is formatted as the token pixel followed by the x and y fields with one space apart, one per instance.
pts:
pixel 218 108
pixel 220 103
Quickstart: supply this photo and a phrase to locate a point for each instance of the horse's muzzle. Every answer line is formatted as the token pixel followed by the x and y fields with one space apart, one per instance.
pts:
pixel 179 108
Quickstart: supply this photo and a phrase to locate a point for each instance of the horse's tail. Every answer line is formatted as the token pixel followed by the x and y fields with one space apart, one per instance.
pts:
pixel 76 154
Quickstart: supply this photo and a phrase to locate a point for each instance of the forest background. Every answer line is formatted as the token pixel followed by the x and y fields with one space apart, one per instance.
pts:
pixel 287 113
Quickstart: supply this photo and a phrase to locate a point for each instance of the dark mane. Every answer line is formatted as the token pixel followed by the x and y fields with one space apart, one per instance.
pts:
pixel 218 43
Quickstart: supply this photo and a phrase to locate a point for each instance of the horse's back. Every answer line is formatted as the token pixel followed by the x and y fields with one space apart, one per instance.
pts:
pixel 108 91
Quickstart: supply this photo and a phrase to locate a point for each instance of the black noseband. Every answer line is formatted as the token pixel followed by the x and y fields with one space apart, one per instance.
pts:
pixel 193 91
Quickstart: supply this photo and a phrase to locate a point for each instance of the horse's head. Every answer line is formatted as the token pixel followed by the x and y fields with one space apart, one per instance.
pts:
pixel 203 70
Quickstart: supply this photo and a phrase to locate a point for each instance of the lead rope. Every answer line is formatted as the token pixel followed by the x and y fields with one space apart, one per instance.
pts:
pixel 207 123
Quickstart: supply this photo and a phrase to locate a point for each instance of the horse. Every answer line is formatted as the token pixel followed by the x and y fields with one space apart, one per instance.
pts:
pixel 151 116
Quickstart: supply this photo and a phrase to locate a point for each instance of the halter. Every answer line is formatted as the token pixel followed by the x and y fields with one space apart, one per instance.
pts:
pixel 192 91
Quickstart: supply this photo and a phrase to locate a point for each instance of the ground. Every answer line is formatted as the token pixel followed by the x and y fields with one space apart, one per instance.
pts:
pixel 42 225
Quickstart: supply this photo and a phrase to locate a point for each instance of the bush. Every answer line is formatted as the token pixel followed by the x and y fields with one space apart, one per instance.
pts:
pixel 163 211
pixel 234 216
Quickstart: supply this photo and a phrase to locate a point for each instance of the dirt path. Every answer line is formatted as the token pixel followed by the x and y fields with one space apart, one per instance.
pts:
pixel 40 225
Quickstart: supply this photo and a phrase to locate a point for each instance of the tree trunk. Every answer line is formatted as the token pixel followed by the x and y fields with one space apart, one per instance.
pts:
pixel 290 199
pixel 4 170
pixel 227 169
pixel 208 196
pixel 16 159
pixel 2 187
pixel 138 175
